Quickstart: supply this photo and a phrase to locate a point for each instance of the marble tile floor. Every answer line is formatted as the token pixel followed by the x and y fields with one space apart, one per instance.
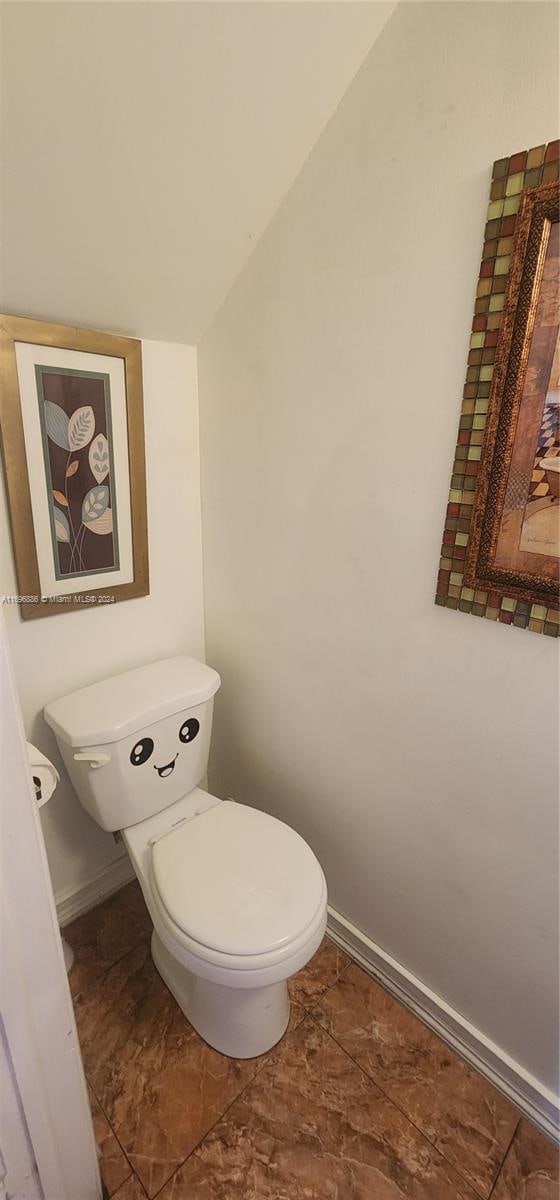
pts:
pixel 359 1101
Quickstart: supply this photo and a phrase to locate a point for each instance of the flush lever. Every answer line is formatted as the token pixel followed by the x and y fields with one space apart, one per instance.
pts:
pixel 94 760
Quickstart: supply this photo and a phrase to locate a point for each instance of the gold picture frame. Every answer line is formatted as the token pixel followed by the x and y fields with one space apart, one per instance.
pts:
pixel 72 426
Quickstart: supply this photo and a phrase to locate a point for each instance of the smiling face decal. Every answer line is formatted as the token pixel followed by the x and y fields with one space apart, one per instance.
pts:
pixel 143 749
pixel 168 769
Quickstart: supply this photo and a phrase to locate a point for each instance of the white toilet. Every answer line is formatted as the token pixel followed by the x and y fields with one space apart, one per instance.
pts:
pixel 237 898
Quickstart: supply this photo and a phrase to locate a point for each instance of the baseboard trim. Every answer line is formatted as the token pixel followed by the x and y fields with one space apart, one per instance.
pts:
pixel 534 1100
pixel 72 902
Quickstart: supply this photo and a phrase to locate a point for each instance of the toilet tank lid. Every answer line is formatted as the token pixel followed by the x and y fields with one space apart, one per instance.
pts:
pixel 112 709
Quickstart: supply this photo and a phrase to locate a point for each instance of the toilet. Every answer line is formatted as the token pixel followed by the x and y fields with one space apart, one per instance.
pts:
pixel 237 898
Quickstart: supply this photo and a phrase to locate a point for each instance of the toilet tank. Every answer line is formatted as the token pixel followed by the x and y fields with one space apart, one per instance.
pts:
pixel 138 742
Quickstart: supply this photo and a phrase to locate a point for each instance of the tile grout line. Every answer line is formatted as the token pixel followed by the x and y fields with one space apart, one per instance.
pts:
pixel 501 1167
pixel 231 1104
pixel 205 1135
pixel 96 980
pixel 228 1107
pixel 309 1008
pixel 319 1000
pixel 115 1195
pixel 105 972
pixel 221 1116
pixel 389 1098
pixel 308 1012
pixel 266 1060
pixel 74 999
pixel 308 1015
pixel 111 1126
pixel 117 1139
pixel 401 1110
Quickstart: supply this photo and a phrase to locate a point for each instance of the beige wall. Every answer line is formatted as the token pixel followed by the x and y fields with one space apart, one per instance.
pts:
pixel 416 748
pixel 60 653
pixel 148 149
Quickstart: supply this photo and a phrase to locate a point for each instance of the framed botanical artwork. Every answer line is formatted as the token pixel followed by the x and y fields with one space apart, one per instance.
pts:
pixel 73 449
pixel 501 543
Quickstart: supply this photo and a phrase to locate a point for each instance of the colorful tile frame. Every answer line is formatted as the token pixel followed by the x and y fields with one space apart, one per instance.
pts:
pixel 511 177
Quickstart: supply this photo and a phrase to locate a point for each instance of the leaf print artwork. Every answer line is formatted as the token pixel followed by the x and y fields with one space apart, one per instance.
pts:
pixel 94 504
pixel 61 526
pixel 77 435
pixel 98 456
pixel 75 477
pixel 56 423
pixel 102 525
pixel 81 427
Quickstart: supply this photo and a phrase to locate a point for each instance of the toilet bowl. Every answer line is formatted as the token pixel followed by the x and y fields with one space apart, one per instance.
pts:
pixel 238 903
pixel 237 898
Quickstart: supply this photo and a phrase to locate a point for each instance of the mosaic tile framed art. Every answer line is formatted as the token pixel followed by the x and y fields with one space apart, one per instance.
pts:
pixel 500 554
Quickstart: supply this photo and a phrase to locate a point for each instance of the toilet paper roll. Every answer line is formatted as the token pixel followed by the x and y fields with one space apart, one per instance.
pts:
pixel 45 776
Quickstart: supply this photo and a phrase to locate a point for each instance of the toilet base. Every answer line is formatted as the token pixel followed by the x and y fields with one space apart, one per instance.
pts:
pixel 239 1022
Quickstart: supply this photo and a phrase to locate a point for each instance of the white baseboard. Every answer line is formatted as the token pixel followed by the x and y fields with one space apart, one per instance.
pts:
pixel 534 1100
pixel 73 902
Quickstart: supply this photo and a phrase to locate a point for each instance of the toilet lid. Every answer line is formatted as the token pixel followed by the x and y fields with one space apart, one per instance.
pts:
pixel 237 880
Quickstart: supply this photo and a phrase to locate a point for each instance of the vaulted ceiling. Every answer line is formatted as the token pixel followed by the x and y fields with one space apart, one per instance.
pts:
pixel 146 147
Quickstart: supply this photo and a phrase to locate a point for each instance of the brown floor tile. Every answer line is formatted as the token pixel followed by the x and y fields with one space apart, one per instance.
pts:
pixel 297 1014
pixel 319 974
pixel 131 1190
pixel 128 1025
pixel 161 1086
pixel 531 1170
pixel 179 1107
pixel 113 1164
pixel 312 1126
pixel 458 1110
pixel 101 936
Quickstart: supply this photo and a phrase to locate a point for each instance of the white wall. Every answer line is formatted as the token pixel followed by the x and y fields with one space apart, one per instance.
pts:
pixel 164 137
pixel 57 654
pixel 415 747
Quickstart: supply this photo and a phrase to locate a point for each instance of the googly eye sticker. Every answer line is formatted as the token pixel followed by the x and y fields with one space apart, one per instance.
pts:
pixel 141 752
pixel 189 730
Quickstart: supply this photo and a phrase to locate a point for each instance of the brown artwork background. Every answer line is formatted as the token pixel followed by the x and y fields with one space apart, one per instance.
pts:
pixel 529 529
pixel 80 469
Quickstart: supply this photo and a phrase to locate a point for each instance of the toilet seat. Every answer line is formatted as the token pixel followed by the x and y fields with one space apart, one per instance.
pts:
pixel 236 887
